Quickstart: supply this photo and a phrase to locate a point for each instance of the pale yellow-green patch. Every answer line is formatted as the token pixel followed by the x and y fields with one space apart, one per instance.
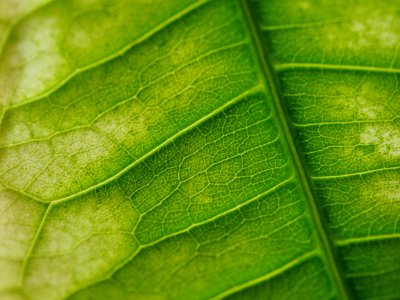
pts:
pixel 385 137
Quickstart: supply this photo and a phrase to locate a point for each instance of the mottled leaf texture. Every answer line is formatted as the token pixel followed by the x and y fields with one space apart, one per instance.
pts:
pixel 199 149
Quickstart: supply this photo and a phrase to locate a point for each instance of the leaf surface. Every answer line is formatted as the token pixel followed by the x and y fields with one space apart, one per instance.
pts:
pixel 199 150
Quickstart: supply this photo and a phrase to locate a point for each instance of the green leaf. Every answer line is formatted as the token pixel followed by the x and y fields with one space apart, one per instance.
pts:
pixel 189 149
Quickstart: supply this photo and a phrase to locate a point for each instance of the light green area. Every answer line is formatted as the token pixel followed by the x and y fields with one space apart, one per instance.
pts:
pixel 199 150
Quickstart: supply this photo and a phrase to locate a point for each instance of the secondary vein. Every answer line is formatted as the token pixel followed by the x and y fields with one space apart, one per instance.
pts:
pixel 165 143
pixel 31 246
pixel 288 66
pixel 289 265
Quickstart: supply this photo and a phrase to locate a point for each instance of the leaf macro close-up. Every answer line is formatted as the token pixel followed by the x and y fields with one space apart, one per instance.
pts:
pixel 199 149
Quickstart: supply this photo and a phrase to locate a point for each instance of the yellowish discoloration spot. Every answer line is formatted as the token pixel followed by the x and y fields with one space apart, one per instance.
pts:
pixel 379 28
pixel 11 9
pixel 304 5
pixel 385 190
pixel 385 137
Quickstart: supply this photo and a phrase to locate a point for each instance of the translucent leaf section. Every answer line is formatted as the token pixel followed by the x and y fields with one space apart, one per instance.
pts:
pixel 199 149
pixel 142 157
pixel 337 64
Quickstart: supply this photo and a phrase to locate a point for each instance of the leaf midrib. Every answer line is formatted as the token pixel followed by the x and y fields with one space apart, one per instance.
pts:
pixel 267 70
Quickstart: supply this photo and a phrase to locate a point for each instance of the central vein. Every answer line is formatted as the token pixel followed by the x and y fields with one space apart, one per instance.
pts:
pixel 266 69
